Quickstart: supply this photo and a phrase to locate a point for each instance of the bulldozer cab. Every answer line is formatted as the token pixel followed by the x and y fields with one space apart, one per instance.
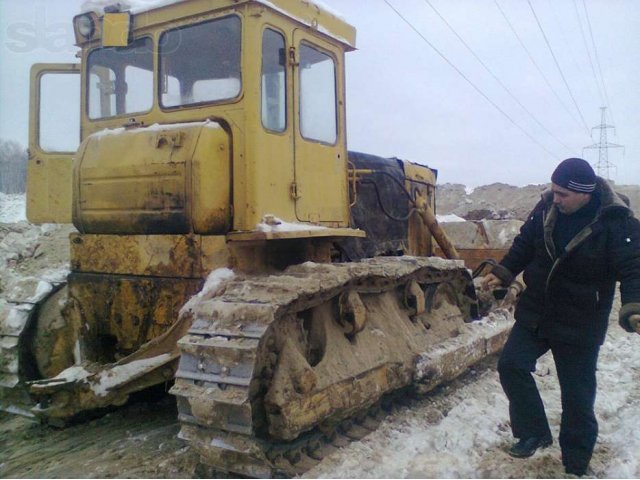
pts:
pixel 270 76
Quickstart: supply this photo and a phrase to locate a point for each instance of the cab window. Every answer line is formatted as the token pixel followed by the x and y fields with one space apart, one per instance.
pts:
pixel 200 63
pixel 120 80
pixel 59 112
pixel 318 113
pixel 274 81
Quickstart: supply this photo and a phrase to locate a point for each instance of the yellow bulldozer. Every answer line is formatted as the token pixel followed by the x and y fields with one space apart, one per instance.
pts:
pixel 228 243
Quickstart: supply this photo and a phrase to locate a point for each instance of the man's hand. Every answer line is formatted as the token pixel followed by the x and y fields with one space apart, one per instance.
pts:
pixel 491 281
pixel 634 322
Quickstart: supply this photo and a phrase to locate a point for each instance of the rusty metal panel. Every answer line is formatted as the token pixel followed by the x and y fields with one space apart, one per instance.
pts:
pixel 149 255
pixel 215 253
pixel 210 194
pixel 120 313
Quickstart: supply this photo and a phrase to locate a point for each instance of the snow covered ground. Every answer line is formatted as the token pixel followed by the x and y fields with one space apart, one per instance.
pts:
pixel 462 431
pixel 459 431
pixel 12 208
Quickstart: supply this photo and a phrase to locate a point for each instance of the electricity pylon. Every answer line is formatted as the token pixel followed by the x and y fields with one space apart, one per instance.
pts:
pixel 603 167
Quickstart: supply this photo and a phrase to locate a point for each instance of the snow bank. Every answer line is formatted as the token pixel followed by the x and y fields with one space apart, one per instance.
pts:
pixel 22 241
pixel 12 208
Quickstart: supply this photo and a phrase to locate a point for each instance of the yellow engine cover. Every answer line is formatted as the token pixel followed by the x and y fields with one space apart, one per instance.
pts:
pixel 151 180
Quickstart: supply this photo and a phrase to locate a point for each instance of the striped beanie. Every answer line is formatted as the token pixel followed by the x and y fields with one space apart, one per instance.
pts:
pixel 575 174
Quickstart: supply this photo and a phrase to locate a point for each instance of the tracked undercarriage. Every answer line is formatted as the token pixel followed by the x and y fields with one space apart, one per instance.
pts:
pixel 272 367
pixel 274 364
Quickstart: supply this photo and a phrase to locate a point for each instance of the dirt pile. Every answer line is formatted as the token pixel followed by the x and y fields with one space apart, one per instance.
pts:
pixel 492 202
pixel 632 192
pixel 502 201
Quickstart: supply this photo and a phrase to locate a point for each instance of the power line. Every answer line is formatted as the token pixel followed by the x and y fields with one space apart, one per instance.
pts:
pixel 586 47
pixel 494 76
pixel 467 79
pixel 558 65
pixel 533 60
pixel 595 49
pixel 560 27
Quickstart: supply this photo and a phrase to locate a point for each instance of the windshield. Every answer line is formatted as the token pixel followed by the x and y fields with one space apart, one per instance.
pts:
pixel 120 80
pixel 200 63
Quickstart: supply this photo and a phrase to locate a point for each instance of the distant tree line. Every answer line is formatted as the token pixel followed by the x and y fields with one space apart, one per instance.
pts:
pixel 13 167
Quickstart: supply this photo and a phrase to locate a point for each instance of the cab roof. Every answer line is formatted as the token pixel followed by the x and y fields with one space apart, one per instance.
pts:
pixel 311 13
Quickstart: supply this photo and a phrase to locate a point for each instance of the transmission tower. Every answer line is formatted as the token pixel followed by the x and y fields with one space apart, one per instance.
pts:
pixel 603 166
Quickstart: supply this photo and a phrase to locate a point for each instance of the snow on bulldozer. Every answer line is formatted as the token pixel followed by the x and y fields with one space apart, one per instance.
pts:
pixel 227 242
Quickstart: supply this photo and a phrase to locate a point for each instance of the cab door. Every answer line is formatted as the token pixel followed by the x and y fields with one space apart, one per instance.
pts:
pixel 320 189
pixel 54 136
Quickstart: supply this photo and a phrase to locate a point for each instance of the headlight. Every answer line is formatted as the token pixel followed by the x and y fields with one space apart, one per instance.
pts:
pixel 85 26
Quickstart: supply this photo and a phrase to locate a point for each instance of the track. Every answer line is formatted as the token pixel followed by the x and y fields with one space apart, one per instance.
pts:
pixel 22 303
pixel 280 369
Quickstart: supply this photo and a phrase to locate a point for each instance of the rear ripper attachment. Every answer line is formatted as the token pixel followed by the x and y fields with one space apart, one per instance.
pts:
pixel 273 365
pixel 70 348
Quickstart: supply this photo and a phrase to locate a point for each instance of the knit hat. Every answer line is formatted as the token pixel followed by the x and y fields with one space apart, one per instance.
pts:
pixel 575 174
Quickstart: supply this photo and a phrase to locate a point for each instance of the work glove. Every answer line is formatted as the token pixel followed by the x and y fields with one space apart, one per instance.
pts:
pixel 629 317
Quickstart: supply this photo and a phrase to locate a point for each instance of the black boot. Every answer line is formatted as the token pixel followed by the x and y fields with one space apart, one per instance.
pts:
pixel 526 447
pixel 578 471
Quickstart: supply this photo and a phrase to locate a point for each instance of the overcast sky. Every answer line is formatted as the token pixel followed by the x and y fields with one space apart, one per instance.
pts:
pixel 484 91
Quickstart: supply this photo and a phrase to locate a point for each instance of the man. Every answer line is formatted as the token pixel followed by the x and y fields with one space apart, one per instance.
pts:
pixel 578 241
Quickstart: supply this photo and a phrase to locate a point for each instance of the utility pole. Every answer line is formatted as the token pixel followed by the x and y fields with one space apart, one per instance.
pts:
pixel 603 166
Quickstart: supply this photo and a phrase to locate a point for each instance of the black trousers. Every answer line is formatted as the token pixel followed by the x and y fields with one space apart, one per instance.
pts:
pixel 576 367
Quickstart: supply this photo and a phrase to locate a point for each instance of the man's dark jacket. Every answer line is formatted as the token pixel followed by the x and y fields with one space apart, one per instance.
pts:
pixel 569 294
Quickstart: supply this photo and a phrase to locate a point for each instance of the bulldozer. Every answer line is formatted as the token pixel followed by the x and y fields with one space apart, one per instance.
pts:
pixel 228 243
